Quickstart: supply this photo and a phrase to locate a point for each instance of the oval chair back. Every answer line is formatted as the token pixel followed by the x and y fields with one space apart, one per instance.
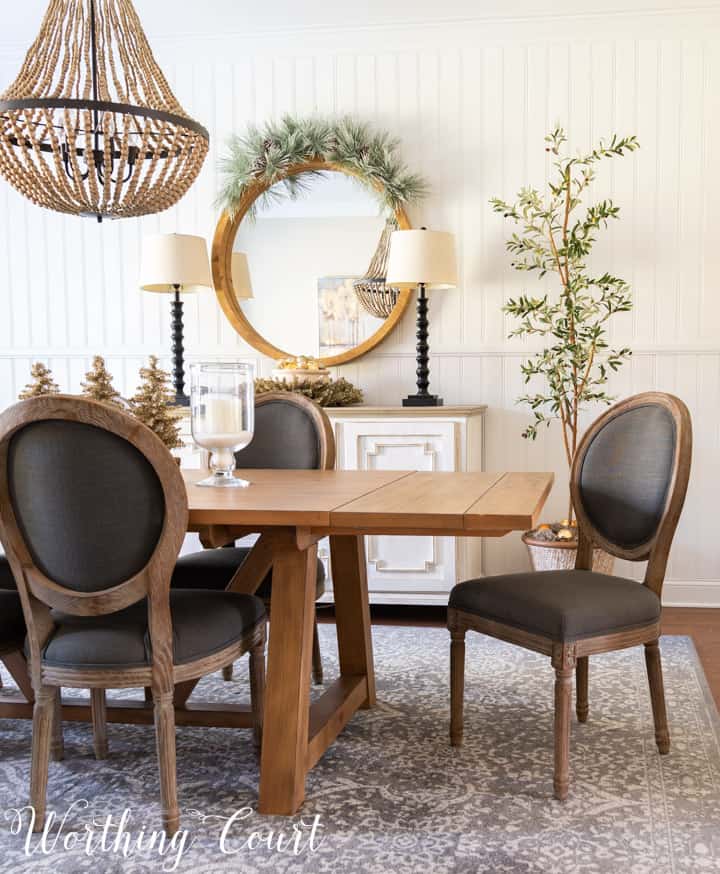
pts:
pixel 629 480
pixel 93 512
pixel 291 433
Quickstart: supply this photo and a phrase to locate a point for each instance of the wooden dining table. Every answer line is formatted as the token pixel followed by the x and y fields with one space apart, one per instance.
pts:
pixel 291 511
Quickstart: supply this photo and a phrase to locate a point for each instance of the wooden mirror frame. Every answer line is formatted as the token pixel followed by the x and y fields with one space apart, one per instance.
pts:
pixel 222 249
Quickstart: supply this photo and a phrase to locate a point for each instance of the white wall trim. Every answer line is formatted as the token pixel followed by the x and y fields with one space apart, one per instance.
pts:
pixel 488 351
pixel 691 593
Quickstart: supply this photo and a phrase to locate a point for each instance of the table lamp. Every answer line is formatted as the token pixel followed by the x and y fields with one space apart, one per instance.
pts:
pixel 242 286
pixel 425 259
pixel 175 264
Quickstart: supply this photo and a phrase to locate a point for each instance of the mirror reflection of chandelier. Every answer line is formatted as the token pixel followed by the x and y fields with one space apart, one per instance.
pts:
pixel 90 125
pixel 374 295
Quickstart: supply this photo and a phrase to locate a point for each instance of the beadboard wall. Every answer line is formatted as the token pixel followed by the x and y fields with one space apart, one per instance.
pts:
pixel 471 100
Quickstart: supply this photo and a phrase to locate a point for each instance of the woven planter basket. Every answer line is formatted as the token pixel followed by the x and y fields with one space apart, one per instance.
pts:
pixel 556 555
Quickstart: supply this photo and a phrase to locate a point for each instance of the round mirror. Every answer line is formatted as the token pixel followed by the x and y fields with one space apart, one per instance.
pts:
pixel 299 276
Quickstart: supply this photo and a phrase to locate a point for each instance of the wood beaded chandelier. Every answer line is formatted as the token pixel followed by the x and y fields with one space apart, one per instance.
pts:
pixel 90 125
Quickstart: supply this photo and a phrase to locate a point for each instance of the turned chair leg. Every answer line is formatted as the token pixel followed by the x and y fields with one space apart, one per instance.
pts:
pixel 563 704
pixel 257 690
pixel 43 713
pixel 582 705
pixel 99 722
pixel 657 696
pixel 57 745
pixel 227 673
pixel 165 739
pixel 317 665
pixel 457 685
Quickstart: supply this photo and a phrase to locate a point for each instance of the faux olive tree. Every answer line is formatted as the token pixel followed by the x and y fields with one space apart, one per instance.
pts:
pixel 558 231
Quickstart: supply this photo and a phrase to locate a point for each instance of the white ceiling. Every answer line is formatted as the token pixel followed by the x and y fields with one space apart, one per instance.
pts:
pixel 168 18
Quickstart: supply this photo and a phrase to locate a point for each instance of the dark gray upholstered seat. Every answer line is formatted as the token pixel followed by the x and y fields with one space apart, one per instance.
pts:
pixel 203 623
pixel 561 605
pixel 214 568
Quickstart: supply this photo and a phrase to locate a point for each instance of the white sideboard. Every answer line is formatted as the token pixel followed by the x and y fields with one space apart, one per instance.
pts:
pixel 411 570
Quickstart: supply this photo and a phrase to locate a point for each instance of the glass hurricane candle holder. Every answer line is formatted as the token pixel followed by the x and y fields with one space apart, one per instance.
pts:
pixel 222 403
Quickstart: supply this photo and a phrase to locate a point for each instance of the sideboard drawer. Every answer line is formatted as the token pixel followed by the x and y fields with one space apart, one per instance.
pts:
pixel 395 446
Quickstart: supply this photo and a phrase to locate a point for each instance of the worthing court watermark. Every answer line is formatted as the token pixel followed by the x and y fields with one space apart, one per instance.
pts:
pixel 123 835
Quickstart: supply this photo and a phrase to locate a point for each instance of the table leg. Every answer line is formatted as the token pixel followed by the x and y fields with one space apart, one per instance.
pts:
pixel 287 696
pixel 352 609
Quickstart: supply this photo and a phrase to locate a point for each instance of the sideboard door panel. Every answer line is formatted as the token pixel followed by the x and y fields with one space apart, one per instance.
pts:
pixel 407 570
pixel 404 564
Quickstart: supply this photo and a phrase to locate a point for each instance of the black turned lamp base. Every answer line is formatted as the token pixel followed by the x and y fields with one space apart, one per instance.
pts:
pixel 422 401
pixel 181 399
pixel 422 398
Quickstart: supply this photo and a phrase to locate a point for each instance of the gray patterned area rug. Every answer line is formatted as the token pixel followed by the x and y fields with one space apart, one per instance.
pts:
pixel 391 796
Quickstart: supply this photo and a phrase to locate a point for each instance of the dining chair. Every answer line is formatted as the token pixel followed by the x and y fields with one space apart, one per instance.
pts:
pixel 291 433
pixel 628 483
pixel 93 511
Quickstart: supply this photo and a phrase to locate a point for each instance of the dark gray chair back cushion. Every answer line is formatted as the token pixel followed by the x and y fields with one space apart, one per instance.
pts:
pixel 626 474
pixel 285 438
pixel 89 504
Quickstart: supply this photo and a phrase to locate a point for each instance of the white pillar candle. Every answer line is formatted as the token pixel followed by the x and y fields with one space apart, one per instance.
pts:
pixel 220 424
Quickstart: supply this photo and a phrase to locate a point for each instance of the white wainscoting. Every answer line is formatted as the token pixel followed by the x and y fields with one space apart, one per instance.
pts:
pixel 471 101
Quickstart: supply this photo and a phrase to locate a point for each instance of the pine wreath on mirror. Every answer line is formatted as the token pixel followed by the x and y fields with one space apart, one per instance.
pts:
pixel 268 155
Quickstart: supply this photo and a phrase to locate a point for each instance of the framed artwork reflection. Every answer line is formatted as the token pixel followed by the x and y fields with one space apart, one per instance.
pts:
pixel 342 322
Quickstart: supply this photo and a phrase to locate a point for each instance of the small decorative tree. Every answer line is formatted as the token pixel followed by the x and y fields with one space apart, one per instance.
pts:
pixel 42 384
pixel 575 366
pixel 152 403
pixel 98 384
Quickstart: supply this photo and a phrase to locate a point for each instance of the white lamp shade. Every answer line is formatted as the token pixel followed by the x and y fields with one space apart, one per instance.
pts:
pixel 242 285
pixel 174 259
pixel 422 256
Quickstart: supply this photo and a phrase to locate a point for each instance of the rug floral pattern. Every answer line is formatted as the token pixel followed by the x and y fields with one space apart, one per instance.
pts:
pixel 392 796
